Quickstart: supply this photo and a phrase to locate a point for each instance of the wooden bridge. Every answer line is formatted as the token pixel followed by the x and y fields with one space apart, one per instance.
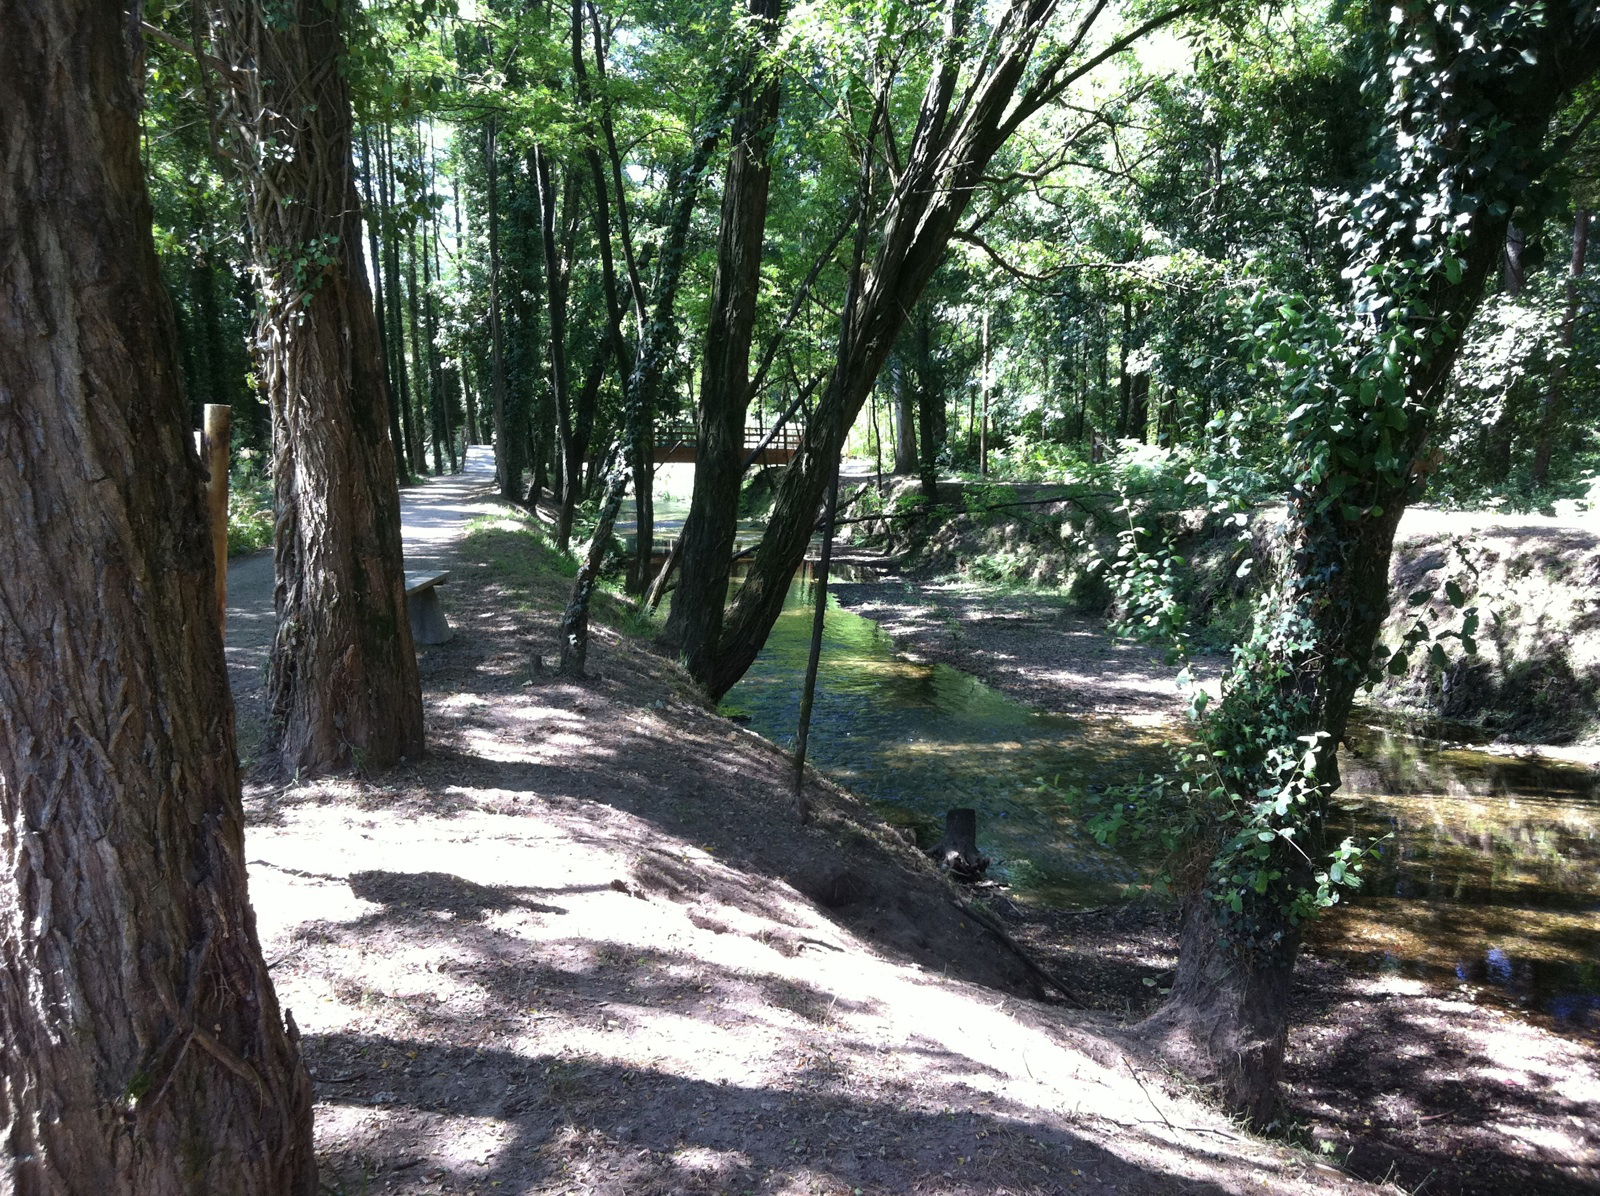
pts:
pixel 675 444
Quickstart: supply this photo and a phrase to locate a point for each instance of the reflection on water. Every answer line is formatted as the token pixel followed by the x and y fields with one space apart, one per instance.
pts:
pixel 1491 878
pixel 927 738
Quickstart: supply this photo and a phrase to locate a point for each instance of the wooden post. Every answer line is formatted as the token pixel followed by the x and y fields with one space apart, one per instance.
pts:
pixel 214 451
pixel 983 428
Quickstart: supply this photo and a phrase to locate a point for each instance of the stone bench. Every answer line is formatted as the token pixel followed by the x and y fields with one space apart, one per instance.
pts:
pixel 428 624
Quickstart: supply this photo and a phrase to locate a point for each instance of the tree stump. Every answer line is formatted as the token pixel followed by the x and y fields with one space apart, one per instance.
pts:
pixel 957 853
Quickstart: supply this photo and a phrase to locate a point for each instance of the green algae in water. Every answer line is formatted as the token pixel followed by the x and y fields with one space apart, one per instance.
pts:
pixel 928 738
pixel 1490 877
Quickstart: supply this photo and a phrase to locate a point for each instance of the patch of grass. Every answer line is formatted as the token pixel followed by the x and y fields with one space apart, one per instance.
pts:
pixel 518 555
pixel 515 551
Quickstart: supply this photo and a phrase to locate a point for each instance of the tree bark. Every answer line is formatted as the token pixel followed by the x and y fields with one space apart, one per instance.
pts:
pixel 144 1050
pixel 343 689
pixel 705 546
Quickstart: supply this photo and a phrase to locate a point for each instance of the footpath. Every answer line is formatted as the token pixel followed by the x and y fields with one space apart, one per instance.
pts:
pixel 585 947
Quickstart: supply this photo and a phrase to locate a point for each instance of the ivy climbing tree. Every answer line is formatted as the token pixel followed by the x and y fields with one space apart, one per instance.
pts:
pixel 1467 96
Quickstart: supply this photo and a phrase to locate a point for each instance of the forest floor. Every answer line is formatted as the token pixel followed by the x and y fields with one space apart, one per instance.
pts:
pixel 1398 1079
pixel 585 947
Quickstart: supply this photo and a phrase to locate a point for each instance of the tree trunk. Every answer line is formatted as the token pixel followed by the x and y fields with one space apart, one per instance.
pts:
pixel 931 418
pixel 556 278
pixel 343 689
pixel 371 209
pixel 905 423
pixel 705 546
pixel 957 853
pixel 144 1051
pixel 1290 697
pixel 1553 412
pixel 395 344
pixel 508 438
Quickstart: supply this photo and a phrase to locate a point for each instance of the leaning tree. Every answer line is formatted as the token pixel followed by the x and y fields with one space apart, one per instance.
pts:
pixel 993 71
pixel 143 1046
pixel 343 687
pixel 1467 97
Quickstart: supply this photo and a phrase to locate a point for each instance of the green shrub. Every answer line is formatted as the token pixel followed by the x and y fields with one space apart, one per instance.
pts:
pixel 250 518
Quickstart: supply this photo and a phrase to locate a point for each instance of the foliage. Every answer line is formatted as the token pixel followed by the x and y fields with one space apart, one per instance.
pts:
pixel 250 518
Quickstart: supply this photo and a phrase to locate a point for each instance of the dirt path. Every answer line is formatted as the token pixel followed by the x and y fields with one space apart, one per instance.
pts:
pixel 433 516
pixel 585 948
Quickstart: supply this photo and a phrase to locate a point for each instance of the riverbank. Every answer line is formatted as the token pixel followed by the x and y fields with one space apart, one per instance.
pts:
pixel 585 947
pixel 1435 1085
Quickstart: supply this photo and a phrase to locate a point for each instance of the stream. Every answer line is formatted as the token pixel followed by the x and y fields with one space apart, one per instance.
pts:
pixel 1489 870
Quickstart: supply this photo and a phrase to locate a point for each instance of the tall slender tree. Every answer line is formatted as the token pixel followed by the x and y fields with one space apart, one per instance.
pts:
pixel 706 543
pixel 144 1050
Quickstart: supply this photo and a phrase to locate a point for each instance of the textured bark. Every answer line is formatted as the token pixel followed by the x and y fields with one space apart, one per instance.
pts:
pixel 144 1051
pixel 343 689
pixel 705 546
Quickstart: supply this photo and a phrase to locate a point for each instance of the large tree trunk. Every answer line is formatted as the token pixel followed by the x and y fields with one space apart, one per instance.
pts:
pixel 343 689
pixel 705 546
pixel 144 1051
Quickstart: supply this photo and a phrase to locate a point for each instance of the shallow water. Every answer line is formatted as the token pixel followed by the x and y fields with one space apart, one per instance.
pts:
pixel 1489 876
pixel 921 739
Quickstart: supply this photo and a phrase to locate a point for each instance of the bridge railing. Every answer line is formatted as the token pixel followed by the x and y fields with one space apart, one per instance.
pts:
pixel 683 435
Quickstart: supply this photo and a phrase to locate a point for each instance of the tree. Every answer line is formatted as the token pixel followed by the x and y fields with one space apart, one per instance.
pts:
pixel 343 688
pixel 1468 97
pixel 725 393
pixel 971 106
pixel 144 1050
